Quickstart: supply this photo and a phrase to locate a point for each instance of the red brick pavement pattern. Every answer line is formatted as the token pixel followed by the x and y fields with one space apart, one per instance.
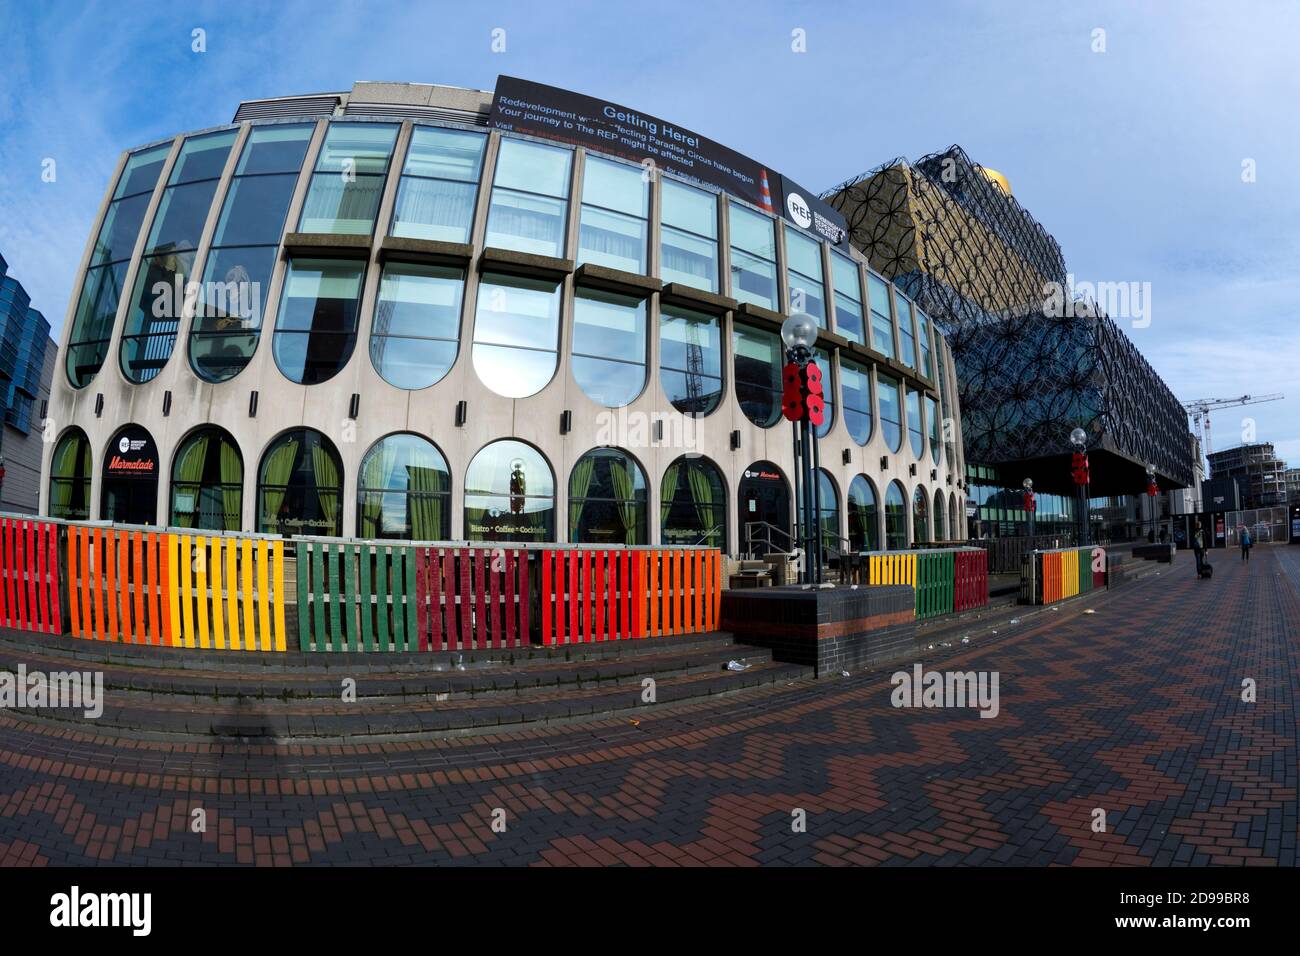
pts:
pixel 1135 710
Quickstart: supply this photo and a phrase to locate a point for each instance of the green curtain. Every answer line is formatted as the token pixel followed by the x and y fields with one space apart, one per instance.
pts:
pixel 232 485
pixel 426 494
pixel 702 493
pixel 326 476
pixel 63 475
pixel 666 492
pixel 620 475
pixel 579 483
pixel 275 478
pixel 188 474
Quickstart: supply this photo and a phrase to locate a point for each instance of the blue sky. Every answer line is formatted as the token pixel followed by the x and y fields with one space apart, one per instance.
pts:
pixel 1131 158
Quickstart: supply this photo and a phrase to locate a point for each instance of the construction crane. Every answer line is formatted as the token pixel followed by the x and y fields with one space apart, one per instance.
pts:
pixel 1199 412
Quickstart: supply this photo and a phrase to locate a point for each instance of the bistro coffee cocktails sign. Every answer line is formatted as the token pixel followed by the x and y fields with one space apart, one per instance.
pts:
pixel 548 112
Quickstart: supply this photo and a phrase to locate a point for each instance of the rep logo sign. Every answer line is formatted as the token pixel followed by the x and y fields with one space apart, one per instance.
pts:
pixel 798 209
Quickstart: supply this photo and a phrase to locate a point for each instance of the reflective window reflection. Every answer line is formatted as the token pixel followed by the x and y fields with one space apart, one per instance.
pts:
pixel 848 298
pixel 855 387
pixel 915 434
pixel 932 420
pixel 615 204
pixel 416 332
pixel 753 257
pixel 823 360
pixel 509 494
pixel 906 337
pixel 316 327
pixel 758 369
pixel 404 491
pixel 864 517
pixel 923 330
pixel 439 185
pixel 882 323
pixel 940 529
pixel 609 346
pixel 530 198
pixel 895 518
pixel 828 515
pixel 688 236
pixel 920 516
pixel 804 275
pixel 241 262
pixel 349 179
pixel 690 359
pixel 516 333
pixel 891 411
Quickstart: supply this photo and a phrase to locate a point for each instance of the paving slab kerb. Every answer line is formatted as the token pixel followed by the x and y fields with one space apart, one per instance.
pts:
pixel 1135 710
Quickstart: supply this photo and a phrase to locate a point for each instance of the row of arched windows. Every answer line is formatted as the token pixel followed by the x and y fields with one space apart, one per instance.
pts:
pixel 404 492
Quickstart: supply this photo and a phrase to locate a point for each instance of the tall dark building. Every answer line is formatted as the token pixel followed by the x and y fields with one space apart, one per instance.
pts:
pixel 27 356
pixel 1031 367
pixel 1260 474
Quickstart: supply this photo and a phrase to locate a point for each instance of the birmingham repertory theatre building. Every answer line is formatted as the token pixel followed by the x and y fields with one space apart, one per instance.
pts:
pixel 424 312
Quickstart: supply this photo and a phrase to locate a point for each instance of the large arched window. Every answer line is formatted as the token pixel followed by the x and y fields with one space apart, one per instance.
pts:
pixel 758 373
pixel 940 516
pixel 317 325
pixel 915 433
pixel 70 477
pixel 763 501
pixel 864 516
pixel 92 323
pixel 208 482
pixel 932 420
pixel 693 503
pixel 891 411
pixel 958 531
pixel 607 499
pixel 300 485
pixel 404 491
pixel 895 517
pixel 920 516
pixel 855 386
pixel 828 518
pixel 129 487
pixel 690 359
pixel 237 275
pixel 416 332
pixel 509 494
pixel 154 316
pixel 609 346
pixel 516 333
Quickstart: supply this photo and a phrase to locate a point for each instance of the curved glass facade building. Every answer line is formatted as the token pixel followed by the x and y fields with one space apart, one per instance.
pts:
pixel 374 314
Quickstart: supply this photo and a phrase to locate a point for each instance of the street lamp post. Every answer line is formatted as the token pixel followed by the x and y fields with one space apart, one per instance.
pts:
pixel 803 406
pixel 1031 508
pixel 1152 490
pixel 1079 470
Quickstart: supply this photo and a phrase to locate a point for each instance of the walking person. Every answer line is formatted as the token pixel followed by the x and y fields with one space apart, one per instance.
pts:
pixel 1198 546
pixel 1246 542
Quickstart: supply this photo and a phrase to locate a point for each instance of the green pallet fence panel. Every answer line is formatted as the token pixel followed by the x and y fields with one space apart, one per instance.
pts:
pixel 318 594
pixel 381 596
pixel 366 557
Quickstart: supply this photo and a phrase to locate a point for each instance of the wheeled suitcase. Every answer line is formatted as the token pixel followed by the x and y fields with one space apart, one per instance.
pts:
pixel 1204 570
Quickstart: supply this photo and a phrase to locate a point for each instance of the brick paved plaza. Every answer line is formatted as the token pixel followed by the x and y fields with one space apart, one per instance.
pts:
pixel 1135 709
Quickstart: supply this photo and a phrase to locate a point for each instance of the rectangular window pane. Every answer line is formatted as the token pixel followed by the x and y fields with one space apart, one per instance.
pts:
pixel 693 210
pixel 357 148
pixel 179 221
pixel 752 232
pixel 906 339
pixel 753 279
pixel 445 154
pixel 279 148
pixel 434 209
pixel 254 210
pixel 804 255
pixel 534 168
pixel 526 223
pixel 202 157
pixel 612 239
pixel 342 205
pixel 615 186
pixel 689 259
pixel 140 174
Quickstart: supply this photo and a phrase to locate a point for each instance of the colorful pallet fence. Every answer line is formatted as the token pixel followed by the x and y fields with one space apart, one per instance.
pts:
pixel 372 596
pixel 588 595
pixel 29 575
pixel 177 590
pixel 1051 576
pixel 945 579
